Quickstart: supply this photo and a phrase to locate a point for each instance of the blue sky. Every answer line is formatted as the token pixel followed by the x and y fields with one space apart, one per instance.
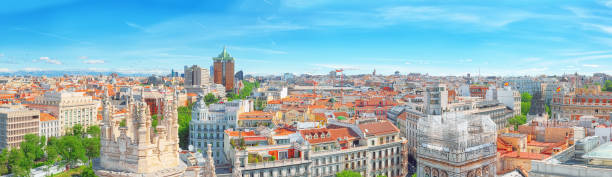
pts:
pixel 309 36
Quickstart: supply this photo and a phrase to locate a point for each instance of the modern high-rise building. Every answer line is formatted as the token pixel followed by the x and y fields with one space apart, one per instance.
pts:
pixel 197 79
pixel 196 76
pixel 224 70
pixel 15 122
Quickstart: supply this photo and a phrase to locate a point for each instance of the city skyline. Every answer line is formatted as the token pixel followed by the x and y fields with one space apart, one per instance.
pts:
pixel 451 38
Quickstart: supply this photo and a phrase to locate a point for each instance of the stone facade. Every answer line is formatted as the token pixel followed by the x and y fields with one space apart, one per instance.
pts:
pixel 15 122
pixel 208 123
pixel 137 149
pixel 456 145
pixel 49 126
pixel 70 108
pixel 582 102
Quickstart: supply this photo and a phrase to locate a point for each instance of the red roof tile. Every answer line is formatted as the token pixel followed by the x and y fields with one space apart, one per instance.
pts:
pixel 378 128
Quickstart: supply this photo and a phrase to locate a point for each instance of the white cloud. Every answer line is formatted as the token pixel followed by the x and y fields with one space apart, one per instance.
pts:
pixel 94 61
pixel 134 25
pixel 333 66
pixel 4 70
pixel 254 60
pixel 531 59
pixel 84 57
pixel 591 65
pixel 604 28
pixel 469 60
pixel 585 53
pixel 32 69
pixel 98 69
pixel 467 14
pixel 592 57
pixel 408 63
pixel 1 54
pixel 302 3
pixel 50 61
pixel 260 50
pixel 607 3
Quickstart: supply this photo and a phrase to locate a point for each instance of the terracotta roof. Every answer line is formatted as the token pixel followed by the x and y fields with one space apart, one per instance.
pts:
pixel 341 114
pixel 334 135
pixel 317 107
pixel 255 138
pixel 122 111
pixel 283 131
pixel 378 128
pixel 274 102
pixel 525 155
pixel 235 133
pixel 255 115
pixel 46 117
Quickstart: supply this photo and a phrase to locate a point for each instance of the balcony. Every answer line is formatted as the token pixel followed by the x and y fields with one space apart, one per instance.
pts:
pixel 276 163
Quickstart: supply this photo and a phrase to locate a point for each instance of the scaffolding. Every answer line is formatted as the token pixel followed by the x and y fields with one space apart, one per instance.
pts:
pixel 456 132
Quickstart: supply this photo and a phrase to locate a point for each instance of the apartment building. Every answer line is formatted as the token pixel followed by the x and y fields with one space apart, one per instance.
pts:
pixel 15 122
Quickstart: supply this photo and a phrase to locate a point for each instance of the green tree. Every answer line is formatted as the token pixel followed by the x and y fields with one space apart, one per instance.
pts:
pixel 154 121
pixel 210 98
pixel 414 175
pixel 517 120
pixel 93 131
pixel 526 97
pixel 77 130
pixel 52 156
pixel 72 151
pixel 123 123
pixel 348 173
pixel 607 86
pixel 184 117
pixel 32 147
pixel 548 110
pixel 92 148
pixel 525 107
pixel 19 165
pixel 4 162
pixel 525 103
pixel 88 172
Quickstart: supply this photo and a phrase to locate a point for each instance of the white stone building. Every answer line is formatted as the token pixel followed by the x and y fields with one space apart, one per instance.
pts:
pixel 70 108
pixel 49 126
pixel 208 124
pixel 457 145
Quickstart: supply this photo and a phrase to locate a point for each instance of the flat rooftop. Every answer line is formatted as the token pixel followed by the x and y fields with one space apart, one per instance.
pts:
pixel 603 151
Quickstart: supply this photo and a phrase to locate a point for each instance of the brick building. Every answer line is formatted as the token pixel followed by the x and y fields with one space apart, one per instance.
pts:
pixel 223 68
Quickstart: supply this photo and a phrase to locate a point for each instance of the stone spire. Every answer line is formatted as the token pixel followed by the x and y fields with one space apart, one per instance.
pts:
pixel 236 169
pixel 210 165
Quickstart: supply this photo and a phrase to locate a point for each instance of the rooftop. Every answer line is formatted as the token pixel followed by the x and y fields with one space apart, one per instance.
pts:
pixel 46 117
pixel 604 151
pixel 378 128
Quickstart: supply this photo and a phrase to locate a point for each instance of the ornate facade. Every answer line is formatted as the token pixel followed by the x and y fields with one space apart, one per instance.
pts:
pixel 457 145
pixel 132 147
pixel 582 102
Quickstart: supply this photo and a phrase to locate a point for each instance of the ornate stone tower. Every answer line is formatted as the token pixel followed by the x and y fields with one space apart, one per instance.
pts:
pixel 145 150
